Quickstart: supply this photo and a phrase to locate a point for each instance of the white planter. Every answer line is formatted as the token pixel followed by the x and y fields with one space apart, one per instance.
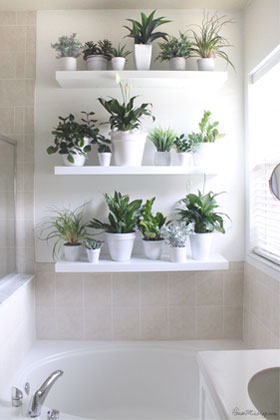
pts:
pixel 206 64
pixel 104 159
pixel 177 63
pixel 118 63
pixel 79 160
pixel 68 64
pixel 162 158
pixel 178 254
pixel 128 147
pixel 93 255
pixel 201 245
pixel 207 156
pixel 120 245
pixel 152 249
pixel 72 252
pixel 97 62
pixel 184 159
pixel 142 56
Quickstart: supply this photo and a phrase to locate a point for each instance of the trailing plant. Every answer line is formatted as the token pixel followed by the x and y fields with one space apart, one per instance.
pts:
pixel 100 48
pixel 162 139
pixel 144 32
pixel 123 214
pixel 184 144
pixel 93 244
pixel 175 47
pixel 208 42
pixel 120 51
pixel 150 225
pixel 103 144
pixel 200 210
pixel 176 233
pixel 68 46
pixel 208 131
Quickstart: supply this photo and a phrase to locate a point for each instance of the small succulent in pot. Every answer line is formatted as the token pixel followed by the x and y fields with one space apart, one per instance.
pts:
pixel 68 48
pixel 93 248
pixel 119 55
pixel 97 54
pixel 175 51
pixel 163 140
pixel 175 234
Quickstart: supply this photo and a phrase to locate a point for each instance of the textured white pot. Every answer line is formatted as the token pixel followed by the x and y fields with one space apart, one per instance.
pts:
pixel 72 252
pixel 206 64
pixel 184 159
pixel 68 64
pixel 162 158
pixel 120 245
pixel 152 249
pixel 142 56
pixel 118 63
pixel 97 62
pixel 177 63
pixel 104 159
pixel 178 254
pixel 128 147
pixel 201 245
pixel 207 156
pixel 93 255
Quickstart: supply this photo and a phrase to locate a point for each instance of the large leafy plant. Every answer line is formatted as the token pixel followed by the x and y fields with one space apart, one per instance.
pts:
pixel 162 139
pixel 175 47
pixel 149 224
pixel 208 131
pixel 144 32
pixel 200 210
pixel 123 214
pixel 68 46
pixel 100 48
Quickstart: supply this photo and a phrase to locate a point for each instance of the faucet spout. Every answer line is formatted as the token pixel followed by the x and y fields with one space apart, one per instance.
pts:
pixel 41 394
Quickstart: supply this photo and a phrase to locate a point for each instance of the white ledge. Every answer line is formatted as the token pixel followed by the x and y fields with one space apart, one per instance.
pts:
pixel 130 170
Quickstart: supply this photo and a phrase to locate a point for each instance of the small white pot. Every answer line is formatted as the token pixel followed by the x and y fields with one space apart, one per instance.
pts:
pixel 128 147
pixel 118 63
pixel 152 249
pixel 104 159
pixel 93 255
pixel 178 254
pixel 68 64
pixel 79 160
pixel 206 64
pixel 201 245
pixel 207 156
pixel 162 158
pixel 97 62
pixel 120 245
pixel 184 159
pixel 142 56
pixel 177 63
pixel 72 252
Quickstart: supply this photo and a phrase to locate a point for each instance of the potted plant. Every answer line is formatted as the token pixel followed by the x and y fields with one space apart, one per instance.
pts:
pixel 209 43
pixel 68 230
pixel 144 34
pixel 150 226
pixel 68 49
pixel 163 141
pixel 120 229
pixel 175 51
pixel 128 141
pixel 175 234
pixel 93 248
pixel 206 154
pixel 104 150
pixel 184 147
pixel 97 55
pixel 200 210
pixel 119 55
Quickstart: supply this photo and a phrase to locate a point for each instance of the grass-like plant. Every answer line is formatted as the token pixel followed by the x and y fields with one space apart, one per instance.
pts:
pixel 183 144
pixel 103 144
pixel 120 51
pixel 68 46
pixel 149 224
pixel 100 48
pixel 175 47
pixel 93 244
pixel 163 139
pixel 144 32
pixel 176 233
pixel 123 214
pixel 208 131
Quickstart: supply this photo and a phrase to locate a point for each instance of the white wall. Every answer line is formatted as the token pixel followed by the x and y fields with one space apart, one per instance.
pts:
pixel 180 109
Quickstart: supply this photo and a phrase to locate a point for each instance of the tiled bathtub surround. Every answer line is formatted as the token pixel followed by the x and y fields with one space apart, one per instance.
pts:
pixel 139 306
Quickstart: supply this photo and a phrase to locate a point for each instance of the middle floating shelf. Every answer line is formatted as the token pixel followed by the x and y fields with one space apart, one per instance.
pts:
pixel 130 170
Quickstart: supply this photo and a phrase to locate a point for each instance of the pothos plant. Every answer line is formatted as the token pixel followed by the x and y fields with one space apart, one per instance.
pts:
pixel 175 47
pixel 150 224
pixel 144 32
pixel 208 131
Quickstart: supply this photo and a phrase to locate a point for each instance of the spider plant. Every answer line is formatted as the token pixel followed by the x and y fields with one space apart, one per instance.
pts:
pixel 143 32
pixel 149 224
pixel 120 51
pixel 175 47
pixel 162 139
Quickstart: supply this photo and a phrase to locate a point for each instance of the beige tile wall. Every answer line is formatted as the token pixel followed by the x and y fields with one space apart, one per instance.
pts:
pixel 139 306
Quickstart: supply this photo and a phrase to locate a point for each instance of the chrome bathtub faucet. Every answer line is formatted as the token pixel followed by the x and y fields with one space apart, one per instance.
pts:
pixel 38 399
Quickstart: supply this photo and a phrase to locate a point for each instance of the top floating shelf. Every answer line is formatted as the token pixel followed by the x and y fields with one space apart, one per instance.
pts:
pixel 140 79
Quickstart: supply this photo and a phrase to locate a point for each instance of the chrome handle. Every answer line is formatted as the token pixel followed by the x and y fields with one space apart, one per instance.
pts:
pixel 17 397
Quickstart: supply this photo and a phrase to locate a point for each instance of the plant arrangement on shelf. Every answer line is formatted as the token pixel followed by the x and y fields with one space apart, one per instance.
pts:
pixel 150 226
pixel 122 222
pixel 184 146
pixel 175 51
pixel 208 42
pixel 175 234
pixel 163 140
pixel 104 150
pixel 68 48
pixel 97 55
pixel 93 248
pixel 144 34
pixel 119 55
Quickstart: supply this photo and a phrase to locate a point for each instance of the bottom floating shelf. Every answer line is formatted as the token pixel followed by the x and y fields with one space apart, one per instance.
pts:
pixel 215 262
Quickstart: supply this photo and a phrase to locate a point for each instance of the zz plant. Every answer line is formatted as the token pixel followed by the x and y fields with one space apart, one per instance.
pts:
pixel 144 32
pixel 208 131
pixel 150 225
pixel 175 47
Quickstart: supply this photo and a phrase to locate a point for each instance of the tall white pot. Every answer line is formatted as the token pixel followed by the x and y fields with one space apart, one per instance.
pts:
pixel 128 147
pixel 177 63
pixel 152 249
pixel 120 245
pixel 72 252
pixel 142 56
pixel 97 62
pixel 201 245
pixel 67 63
pixel 206 64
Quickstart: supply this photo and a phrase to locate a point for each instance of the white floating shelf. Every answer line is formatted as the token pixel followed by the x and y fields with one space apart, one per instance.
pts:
pixel 129 170
pixel 216 262
pixel 140 79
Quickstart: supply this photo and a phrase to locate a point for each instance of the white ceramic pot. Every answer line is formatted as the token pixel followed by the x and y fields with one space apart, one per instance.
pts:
pixel 104 159
pixel 68 64
pixel 184 159
pixel 93 255
pixel 120 245
pixel 79 160
pixel 152 249
pixel 207 156
pixel 206 64
pixel 178 254
pixel 118 63
pixel 177 63
pixel 97 62
pixel 128 147
pixel 72 252
pixel 201 245
pixel 162 158
pixel 142 56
